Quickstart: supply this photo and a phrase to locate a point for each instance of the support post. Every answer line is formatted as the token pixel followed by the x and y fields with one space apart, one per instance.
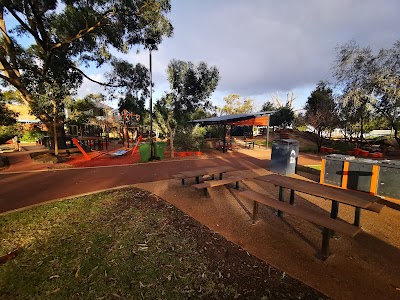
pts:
pixel 224 140
pixel 266 145
pixel 282 199
pixel 357 217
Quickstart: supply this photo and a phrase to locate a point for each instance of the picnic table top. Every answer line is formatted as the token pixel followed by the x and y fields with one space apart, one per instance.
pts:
pixel 207 171
pixel 350 197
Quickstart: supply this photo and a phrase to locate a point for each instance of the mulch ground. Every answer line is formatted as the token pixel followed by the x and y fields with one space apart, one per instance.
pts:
pixel 254 278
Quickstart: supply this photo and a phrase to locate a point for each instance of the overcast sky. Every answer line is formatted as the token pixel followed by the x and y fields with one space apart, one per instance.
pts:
pixel 262 47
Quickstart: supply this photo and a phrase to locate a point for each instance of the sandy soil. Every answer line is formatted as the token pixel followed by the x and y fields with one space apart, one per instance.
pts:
pixel 366 267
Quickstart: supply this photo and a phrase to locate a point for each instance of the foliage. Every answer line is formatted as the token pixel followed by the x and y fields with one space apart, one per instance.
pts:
pixel 355 68
pixel 321 111
pixel 7 116
pixel 283 116
pixel 268 106
pixel 191 87
pixel 44 44
pixel 8 132
pixel 32 135
pixel 236 105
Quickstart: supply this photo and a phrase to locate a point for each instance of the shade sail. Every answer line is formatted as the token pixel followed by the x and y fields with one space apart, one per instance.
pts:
pixel 257 121
pixel 232 119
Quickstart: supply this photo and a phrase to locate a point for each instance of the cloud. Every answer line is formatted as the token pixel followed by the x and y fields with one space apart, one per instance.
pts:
pixel 263 46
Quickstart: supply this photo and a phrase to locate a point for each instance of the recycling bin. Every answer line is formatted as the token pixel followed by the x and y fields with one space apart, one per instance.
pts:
pixel 284 156
pixel 145 153
pixel 333 170
pixel 159 150
pixel 389 179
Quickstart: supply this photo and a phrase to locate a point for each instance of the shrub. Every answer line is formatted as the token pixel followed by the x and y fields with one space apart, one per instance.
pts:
pixel 7 133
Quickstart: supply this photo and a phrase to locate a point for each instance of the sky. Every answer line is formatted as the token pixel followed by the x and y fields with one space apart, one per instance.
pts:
pixel 264 47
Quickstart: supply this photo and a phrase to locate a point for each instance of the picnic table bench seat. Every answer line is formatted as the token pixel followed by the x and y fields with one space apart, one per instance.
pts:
pixel 203 172
pixel 314 217
pixel 214 183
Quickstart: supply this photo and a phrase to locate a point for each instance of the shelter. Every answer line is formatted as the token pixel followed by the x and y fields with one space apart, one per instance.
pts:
pixel 249 119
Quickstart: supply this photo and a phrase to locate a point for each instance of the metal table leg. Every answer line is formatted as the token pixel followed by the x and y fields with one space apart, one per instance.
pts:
pixel 281 198
pixel 255 211
pixel 357 216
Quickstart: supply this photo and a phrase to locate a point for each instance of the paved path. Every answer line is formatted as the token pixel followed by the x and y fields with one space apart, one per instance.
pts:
pixel 22 189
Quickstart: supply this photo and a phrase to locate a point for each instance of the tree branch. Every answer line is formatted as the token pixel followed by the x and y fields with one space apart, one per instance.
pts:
pixel 81 33
pixel 95 81
pixel 27 28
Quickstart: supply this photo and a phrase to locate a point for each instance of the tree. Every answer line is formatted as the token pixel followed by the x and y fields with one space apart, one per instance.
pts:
pixel 354 69
pixel 43 53
pixel 283 116
pixel 191 87
pixel 7 117
pixel 268 106
pixel 387 87
pixel 321 111
pixel 236 105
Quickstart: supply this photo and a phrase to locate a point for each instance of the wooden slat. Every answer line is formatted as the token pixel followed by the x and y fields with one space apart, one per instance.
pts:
pixel 353 198
pixel 213 183
pixel 375 207
pixel 311 216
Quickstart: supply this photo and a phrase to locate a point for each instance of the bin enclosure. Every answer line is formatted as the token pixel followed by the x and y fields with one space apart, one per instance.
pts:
pixel 389 179
pixel 284 156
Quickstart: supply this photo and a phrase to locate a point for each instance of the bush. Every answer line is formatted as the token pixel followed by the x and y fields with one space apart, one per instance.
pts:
pixel 189 138
pixel 7 133
pixel 32 136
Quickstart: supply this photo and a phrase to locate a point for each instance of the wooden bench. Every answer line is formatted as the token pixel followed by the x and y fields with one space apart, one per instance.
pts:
pixel 314 217
pixel 213 183
pixel 203 172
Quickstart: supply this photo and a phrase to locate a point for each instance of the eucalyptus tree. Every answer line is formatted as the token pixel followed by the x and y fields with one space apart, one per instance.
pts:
pixel 387 86
pixel 7 116
pixel 45 44
pixel 234 104
pixel 191 87
pixel 354 69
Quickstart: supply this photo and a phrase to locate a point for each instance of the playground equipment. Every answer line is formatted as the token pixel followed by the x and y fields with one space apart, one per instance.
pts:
pixel 130 121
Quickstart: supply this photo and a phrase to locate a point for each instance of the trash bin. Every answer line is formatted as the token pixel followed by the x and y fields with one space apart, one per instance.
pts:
pixel 284 156
pixel 144 150
pixel 159 150
pixel 360 174
pixel 389 179
pixel 333 170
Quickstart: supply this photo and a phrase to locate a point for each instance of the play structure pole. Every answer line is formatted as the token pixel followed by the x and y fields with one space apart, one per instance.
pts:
pixel 76 142
pixel 137 144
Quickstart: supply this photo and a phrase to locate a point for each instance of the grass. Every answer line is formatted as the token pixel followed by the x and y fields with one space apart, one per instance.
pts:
pixel 102 247
pixel 310 169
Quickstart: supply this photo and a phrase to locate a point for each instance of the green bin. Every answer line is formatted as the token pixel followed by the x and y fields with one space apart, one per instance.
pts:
pixel 144 150
pixel 159 150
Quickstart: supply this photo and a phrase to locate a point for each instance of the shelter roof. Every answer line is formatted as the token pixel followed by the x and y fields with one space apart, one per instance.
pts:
pixel 230 118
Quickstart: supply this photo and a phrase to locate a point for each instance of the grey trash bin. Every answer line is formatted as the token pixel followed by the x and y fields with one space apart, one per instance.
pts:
pixel 333 170
pixel 284 156
pixel 389 178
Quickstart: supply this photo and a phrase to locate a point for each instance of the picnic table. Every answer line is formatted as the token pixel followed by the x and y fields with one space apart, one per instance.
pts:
pixel 202 172
pixel 357 199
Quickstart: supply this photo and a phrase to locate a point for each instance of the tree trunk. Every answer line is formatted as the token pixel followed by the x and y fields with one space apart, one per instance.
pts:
pixel 396 137
pixel 171 137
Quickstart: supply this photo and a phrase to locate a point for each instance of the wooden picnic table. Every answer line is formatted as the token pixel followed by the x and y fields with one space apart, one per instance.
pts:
pixel 202 172
pixel 359 200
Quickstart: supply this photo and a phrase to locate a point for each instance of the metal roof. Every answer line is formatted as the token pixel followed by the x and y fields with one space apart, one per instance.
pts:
pixel 230 118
